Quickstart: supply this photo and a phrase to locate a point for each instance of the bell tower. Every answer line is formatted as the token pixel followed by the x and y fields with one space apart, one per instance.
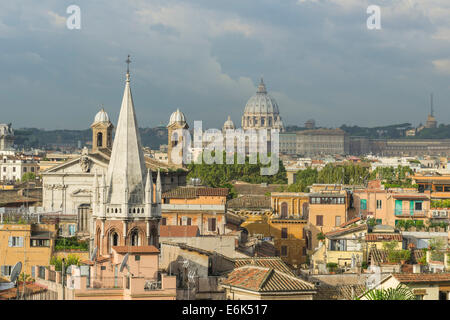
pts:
pixel 102 130
pixel 177 121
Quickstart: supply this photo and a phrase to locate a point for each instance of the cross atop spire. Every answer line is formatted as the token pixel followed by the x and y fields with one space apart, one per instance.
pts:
pixel 128 61
pixel 261 87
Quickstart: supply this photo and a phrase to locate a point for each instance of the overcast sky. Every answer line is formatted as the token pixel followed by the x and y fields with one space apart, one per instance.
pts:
pixel 317 57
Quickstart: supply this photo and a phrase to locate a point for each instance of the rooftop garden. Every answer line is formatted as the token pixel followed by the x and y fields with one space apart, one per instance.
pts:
pixel 440 204
pixel 72 243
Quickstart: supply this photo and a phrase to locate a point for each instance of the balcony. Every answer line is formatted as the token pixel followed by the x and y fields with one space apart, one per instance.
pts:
pixel 410 213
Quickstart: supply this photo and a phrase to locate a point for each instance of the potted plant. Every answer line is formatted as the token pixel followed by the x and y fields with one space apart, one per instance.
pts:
pixel 332 267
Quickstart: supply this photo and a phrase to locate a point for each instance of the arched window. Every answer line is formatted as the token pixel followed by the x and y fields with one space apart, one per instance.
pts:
pixel 134 238
pixel 174 139
pixel 284 210
pixel 114 240
pixel 99 139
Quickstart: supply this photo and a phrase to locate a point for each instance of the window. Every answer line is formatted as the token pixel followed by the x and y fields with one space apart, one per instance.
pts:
pixel 164 221
pixel 24 169
pixel 319 220
pixel 6 270
pixel 72 229
pixel 115 239
pixel 99 139
pixel 15 242
pixel 134 238
pixel 14 169
pixel 188 221
pixel 338 245
pixel 40 243
pixel 337 221
pixel 137 258
pixel 379 204
pixel 284 210
pixel 32 169
pixel 4 169
pixel 379 221
pixel 418 206
pixel 211 224
pixel 284 233
pixel 284 251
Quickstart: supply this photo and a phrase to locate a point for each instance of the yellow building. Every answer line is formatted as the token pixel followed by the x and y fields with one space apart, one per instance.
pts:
pixel 32 244
pixel 344 247
pixel 283 224
pixel 328 210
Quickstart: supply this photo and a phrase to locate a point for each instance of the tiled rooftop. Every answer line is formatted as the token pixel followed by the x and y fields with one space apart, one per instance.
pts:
pixel 422 277
pixel 194 192
pixel 178 231
pixel 268 262
pixel 135 249
pixel 262 279
pixel 384 237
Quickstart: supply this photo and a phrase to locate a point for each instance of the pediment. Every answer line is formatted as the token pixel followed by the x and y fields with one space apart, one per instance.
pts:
pixel 79 165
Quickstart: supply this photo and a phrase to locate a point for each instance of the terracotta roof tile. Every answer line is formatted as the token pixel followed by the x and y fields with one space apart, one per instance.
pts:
pixel 266 280
pixel 178 231
pixel 249 202
pixel 135 249
pixel 194 192
pixel 422 277
pixel 349 222
pixel 30 289
pixel 384 237
pixel 268 262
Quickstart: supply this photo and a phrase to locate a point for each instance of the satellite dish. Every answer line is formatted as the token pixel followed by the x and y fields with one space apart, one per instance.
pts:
pixel 94 254
pixel 124 262
pixel 15 271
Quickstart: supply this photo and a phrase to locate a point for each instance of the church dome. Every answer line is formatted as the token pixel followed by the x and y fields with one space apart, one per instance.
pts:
pixel 101 116
pixel 261 102
pixel 177 116
pixel 228 124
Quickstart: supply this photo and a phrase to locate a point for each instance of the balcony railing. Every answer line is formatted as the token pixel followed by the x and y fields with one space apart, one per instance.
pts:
pixel 410 213
pixel 107 283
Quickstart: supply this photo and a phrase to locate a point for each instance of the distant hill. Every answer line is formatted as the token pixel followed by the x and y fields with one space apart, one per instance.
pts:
pixel 39 138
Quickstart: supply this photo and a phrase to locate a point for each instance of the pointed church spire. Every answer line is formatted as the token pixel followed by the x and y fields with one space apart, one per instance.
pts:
pixel 158 188
pixel 149 187
pixel 126 167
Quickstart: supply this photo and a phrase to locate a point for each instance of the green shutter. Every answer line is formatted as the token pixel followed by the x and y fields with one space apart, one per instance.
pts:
pixel 363 205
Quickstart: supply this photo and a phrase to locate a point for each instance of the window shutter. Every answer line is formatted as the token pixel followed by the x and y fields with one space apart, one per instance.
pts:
pixel 3 270
pixel 10 242
pixel 20 242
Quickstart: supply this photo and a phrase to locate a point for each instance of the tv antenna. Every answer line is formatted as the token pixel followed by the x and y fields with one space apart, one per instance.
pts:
pixel 93 256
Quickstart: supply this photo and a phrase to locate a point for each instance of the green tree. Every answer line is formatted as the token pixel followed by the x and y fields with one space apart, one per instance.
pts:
pixel 401 292
pixel 29 176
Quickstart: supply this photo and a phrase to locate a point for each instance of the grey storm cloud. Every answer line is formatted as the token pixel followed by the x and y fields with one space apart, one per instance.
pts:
pixel 205 57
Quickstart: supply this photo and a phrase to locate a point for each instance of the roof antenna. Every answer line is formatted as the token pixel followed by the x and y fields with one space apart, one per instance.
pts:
pixel 124 264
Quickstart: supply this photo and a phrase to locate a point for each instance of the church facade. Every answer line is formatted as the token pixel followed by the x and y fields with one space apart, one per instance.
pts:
pixel 68 188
